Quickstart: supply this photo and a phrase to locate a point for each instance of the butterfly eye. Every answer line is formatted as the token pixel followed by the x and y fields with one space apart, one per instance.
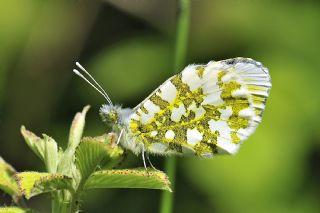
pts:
pixel 110 117
pixel 109 114
pixel 114 116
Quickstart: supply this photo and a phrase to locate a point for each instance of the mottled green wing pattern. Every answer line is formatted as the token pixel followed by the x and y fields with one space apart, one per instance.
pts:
pixel 204 110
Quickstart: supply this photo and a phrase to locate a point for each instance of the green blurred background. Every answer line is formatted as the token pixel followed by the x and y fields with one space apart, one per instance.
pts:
pixel 128 46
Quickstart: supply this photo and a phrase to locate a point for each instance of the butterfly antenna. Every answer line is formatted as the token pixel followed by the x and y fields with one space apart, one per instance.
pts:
pixel 96 86
pixel 96 83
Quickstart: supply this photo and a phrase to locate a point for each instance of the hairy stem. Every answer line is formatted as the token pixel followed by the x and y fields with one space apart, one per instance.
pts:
pixel 179 62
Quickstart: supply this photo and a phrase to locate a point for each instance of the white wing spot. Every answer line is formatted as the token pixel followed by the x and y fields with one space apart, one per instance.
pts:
pixel 247 113
pixel 134 116
pixel 198 111
pixel 168 92
pixel 169 135
pixel 191 78
pixel 193 136
pixel 227 145
pixel 242 92
pixel 152 109
pixel 222 127
pixel 210 87
pixel 213 99
pixel 226 113
pixel 177 113
pixel 224 140
pixel 153 133
pixel 229 76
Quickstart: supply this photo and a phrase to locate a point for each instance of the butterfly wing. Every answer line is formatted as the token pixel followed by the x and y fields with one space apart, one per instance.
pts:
pixel 203 110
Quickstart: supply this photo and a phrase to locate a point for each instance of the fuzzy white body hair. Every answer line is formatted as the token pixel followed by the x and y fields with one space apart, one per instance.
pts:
pixel 127 140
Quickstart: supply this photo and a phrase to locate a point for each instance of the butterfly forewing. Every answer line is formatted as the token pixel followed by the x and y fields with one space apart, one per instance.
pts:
pixel 203 110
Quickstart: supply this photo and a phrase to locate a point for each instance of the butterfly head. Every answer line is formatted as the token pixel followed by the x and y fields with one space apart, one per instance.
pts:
pixel 114 115
pixel 110 114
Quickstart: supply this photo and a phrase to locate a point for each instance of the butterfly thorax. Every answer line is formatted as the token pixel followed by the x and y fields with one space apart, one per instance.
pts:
pixel 117 119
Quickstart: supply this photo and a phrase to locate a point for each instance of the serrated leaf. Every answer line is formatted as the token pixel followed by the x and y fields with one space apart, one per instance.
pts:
pixel 34 183
pixel 66 163
pixel 35 143
pixel 91 152
pixel 7 182
pixel 14 210
pixel 129 178
pixel 50 154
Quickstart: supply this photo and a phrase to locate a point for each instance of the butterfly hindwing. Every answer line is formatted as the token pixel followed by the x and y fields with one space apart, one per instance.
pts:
pixel 203 110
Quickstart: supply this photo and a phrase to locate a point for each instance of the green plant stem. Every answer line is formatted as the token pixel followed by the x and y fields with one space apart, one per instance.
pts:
pixel 55 202
pixel 76 197
pixel 167 197
pixel 181 35
pixel 74 204
pixel 179 62
pixel 63 205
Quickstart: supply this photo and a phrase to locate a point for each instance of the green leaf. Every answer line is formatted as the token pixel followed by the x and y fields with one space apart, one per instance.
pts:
pixel 7 182
pixel 114 153
pixel 35 143
pixel 92 151
pixel 77 127
pixel 66 164
pixel 14 210
pixel 128 178
pixel 51 157
pixel 34 183
pixel 46 149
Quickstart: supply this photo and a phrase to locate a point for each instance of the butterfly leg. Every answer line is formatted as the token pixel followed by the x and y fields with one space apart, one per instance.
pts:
pixel 150 161
pixel 144 161
pixel 121 132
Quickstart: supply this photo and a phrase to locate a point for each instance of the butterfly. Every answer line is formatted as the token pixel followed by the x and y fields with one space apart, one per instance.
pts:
pixel 203 111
